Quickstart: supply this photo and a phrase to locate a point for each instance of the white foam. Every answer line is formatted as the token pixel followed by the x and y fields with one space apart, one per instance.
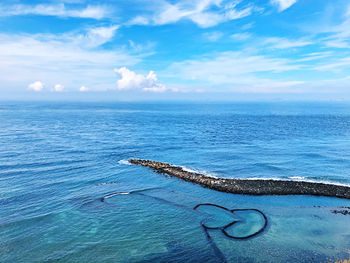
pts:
pixel 186 169
pixel 125 162
pixel 120 193
pixel 297 177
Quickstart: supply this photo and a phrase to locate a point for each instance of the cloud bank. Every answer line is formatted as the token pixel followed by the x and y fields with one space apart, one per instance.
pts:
pixel 129 80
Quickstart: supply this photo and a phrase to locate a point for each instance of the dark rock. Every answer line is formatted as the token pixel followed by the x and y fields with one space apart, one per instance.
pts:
pixel 343 212
pixel 250 187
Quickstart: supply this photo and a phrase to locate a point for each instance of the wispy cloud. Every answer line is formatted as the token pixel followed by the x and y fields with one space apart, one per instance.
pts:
pixel 142 47
pixel 139 20
pixel 206 13
pixel 213 36
pixel 283 4
pixel 59 10
pixel 332 27
pixel 285 43
pixel 336 65
pixel 238 70
pixel 240 36
pixel 219 67
pixel 93 37
pixel 339 34
pixel 315 56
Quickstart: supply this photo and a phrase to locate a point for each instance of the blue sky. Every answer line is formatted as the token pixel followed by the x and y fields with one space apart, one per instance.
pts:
pixel 165 49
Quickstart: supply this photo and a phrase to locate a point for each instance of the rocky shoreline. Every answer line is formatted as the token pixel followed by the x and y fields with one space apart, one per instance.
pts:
pixel 251 186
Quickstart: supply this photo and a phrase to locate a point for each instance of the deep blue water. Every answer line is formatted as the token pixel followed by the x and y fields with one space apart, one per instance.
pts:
pixel 58 159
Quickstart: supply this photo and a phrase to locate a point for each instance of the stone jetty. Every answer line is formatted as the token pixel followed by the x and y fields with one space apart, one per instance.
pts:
pixel 248 186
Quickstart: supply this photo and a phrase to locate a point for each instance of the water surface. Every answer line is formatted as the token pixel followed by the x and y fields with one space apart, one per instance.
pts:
pixel 58 159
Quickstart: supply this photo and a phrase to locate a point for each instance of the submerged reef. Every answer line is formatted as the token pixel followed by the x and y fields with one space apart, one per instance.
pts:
pixel 248 186
pixel 344 211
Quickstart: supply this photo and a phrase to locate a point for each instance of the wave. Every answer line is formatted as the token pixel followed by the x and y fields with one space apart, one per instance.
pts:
pixel 297 177
pixel 125 162
pixel 114 194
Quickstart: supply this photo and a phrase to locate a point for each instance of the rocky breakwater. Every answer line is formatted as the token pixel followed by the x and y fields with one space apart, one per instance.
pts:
pixel 248 186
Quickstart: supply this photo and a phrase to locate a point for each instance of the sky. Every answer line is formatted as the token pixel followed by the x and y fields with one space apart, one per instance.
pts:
pixel 175 50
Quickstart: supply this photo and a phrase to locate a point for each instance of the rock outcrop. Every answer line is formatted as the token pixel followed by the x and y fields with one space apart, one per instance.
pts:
pixel 248 186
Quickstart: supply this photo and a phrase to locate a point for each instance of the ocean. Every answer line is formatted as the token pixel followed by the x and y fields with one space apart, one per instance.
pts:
pixel 58 159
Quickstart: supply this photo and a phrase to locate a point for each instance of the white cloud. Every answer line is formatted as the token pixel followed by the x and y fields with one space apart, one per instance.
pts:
pixel 83 89
pixel 53 57
pixel 283 4
pixel 129 80
pixel 206 13
pixel 36 86
pixel 58 88
pixel 60 10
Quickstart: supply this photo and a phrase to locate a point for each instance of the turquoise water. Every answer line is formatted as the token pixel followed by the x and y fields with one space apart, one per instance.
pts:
pixel 57 160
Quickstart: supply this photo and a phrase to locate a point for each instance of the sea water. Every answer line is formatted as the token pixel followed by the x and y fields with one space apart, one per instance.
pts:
pixel 57 160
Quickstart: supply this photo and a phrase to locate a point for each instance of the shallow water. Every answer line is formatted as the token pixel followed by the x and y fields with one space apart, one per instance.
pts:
pixel 57 160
